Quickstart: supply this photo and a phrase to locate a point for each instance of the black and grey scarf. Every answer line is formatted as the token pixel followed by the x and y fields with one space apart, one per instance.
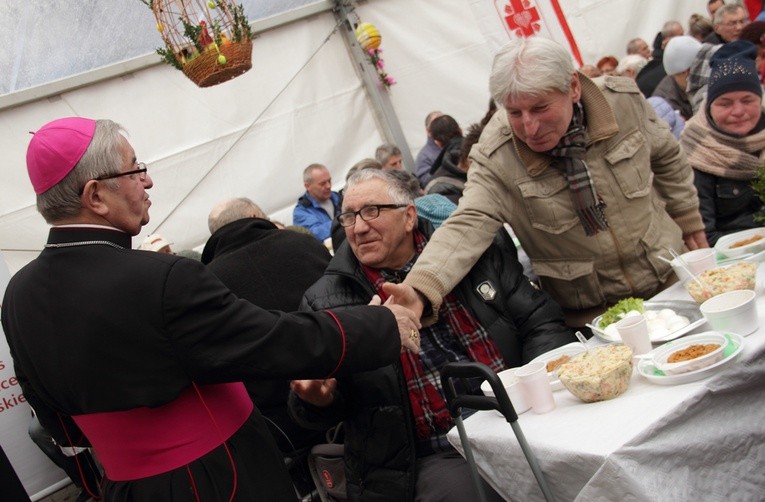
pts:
pixel 570 152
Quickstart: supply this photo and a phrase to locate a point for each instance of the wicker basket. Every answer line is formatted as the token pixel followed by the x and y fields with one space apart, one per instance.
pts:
pixel 199 34
pixel 205 70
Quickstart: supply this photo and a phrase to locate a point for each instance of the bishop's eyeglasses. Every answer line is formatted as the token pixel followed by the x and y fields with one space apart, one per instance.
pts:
pixel 141 172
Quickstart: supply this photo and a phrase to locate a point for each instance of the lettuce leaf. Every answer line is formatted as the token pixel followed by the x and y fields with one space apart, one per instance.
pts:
pixel 615 313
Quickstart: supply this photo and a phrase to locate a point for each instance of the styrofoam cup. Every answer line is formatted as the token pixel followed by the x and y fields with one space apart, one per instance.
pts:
pixel 633 331
pixel 512 385
pixel 697 261
pixel 536 387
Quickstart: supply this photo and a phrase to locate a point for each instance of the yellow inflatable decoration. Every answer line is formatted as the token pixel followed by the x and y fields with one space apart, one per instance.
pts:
pixel 368 36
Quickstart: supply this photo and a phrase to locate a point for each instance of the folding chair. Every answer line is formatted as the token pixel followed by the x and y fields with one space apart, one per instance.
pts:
pixel 456 401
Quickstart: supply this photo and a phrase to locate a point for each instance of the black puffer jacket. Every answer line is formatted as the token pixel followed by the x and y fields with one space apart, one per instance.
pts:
pixel 379 447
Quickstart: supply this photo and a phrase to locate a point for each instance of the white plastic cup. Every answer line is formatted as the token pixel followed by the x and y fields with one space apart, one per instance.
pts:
pixel 512 385
pixel 698 261
pixel 633 331
pixel 535 386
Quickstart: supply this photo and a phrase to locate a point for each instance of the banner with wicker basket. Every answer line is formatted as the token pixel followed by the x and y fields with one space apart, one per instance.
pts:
pixel 209 41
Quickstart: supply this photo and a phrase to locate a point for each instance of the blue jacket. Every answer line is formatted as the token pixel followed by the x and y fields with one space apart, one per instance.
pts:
pixel 309 214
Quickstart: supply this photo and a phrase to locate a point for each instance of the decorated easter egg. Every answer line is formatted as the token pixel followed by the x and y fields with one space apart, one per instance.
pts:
pixel 368 36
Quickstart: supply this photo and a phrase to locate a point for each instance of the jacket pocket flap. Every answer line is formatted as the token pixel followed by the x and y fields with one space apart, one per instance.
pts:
pixel 626 149
pixel 563 269
pixel 542 187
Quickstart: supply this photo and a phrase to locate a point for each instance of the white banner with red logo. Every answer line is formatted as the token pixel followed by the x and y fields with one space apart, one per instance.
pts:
pixel 589 29
pixel 526 18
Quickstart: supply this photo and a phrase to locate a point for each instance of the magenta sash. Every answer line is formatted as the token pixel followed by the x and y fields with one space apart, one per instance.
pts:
pixel 143 442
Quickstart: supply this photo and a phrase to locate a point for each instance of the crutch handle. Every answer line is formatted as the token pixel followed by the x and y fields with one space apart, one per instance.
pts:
pixel 463 370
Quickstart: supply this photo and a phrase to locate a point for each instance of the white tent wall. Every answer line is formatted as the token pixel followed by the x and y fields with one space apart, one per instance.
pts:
pixel 604 27
pixel 438 56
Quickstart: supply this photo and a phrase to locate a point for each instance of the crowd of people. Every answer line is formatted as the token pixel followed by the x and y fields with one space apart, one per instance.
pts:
pixel 706 83
pixel 206 378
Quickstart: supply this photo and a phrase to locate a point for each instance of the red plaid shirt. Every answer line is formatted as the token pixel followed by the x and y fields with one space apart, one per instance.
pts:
pixel 456 336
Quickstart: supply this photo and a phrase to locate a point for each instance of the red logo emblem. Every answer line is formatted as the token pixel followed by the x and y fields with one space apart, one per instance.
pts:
pixel 327 478
pixel 522 18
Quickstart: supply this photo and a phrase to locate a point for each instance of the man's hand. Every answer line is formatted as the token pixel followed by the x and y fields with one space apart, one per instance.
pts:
pixel 408 323
pixel 316 392
pixel 696 240
pixel 405 296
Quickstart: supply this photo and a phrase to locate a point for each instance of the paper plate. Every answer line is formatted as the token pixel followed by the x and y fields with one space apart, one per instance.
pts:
pixel 647 369
pixel 724 243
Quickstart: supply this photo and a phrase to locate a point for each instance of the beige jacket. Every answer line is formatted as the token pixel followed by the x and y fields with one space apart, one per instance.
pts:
pixel 639 171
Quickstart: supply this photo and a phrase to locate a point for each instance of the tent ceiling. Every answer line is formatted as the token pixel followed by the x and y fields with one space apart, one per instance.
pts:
pixel 47 40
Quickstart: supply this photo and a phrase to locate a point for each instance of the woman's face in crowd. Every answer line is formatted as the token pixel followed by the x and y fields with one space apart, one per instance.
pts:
pixel 608 69
pixel 736 112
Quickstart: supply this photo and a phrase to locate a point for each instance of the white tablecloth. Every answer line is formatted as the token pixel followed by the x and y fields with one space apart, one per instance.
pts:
pixel 703 440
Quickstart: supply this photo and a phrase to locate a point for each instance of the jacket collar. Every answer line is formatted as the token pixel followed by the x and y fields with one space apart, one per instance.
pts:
pixel 446 163
pixel 73 233
pixel 311 202
pixel 599 117
pixel 235 235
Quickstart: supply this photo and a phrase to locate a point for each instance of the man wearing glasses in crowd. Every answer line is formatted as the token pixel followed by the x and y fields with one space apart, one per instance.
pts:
pixel 728 23
pixel 395 417
pixel 141 354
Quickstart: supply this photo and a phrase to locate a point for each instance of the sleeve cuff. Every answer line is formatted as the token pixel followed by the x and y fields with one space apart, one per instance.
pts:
pixel 428 285
pixel 689 222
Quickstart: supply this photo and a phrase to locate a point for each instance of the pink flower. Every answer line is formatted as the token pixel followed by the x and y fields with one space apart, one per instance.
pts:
pixel 379 64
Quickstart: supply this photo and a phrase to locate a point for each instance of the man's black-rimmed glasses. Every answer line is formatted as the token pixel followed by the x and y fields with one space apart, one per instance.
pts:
pixel 367 213
pixel 141 172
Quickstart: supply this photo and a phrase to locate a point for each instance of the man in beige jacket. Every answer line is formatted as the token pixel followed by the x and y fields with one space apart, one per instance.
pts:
pixel 594 185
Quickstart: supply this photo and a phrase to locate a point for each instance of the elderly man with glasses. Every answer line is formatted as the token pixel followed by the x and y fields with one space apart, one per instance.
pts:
pixel 141 354
pixel 729 21
pixel 395 417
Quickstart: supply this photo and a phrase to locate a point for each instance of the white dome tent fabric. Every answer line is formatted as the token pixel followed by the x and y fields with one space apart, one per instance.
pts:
pixel 302 102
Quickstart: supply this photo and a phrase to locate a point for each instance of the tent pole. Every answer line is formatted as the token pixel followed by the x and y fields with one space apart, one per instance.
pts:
pixel 385 115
